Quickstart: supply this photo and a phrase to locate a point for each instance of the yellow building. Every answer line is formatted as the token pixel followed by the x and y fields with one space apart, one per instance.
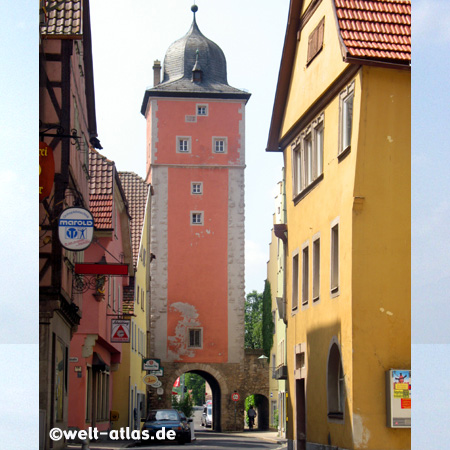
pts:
pixel 342 120
pixel 276 276
pixel 129 394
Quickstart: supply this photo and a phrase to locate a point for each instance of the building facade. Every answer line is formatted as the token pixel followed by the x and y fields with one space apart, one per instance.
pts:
pixel 95 353
pixel 129 395
pixel 276 277
pixel 342 120
pixel 67 129
pixel 195 164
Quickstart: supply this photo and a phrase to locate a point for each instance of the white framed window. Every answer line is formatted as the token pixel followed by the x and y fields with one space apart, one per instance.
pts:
pixel 295 268
pixel 305 274
pixel 219 144
pixel 346 117
pixel 202 110
pixel 316 269
pixel 195 338
pixel 307 155
pixel 184 144
pixel 334 285
pixel 196 217
pixel 196 188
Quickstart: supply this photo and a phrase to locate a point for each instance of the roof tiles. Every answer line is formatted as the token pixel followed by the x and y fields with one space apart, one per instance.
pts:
pixel 101 172
pixel 64 19
pixel 136 191
pixel 376 29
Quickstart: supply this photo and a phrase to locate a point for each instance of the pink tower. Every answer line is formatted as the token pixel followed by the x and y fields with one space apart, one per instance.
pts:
pixel 195 163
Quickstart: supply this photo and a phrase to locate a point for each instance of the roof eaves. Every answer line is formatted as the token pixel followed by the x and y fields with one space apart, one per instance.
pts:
pixel 284 75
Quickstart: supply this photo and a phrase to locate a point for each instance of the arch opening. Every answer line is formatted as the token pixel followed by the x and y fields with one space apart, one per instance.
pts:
pixel 213 399
pixel 261 405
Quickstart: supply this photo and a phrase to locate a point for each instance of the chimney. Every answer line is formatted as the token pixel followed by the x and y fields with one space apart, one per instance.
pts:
pixel 156 72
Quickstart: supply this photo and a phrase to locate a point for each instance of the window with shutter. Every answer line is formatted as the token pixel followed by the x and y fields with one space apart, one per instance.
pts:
pixel 315 41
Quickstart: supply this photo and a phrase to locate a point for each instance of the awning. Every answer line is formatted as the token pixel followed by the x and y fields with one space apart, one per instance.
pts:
pixel 98 363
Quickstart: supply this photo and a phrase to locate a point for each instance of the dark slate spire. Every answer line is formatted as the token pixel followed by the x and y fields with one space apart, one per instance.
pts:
pixel 194 66
pixel 181 57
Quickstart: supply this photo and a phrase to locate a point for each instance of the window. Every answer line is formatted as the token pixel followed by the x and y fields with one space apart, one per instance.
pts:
pixel 196 188
pixel 196 218
pixel 183 144
pixel 305 275
pixel 335 259
pixel 88 393
pixel 346 118
pixel 315 41
pixel 195 337
pixel 219 145
pixel 142 299
pixel 295 282
pixel 202 110
pixel 316 270
pixel 137 296
pixel 335 384
pixel 274 365
pixel 307 155
pixel 114 294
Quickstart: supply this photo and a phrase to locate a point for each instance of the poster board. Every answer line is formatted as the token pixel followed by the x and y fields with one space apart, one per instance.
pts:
pixel 398 398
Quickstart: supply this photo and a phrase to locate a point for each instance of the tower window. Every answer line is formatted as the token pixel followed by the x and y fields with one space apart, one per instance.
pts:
pixel 219 145
pixel 202 110
pixel 183 144
pixel 195 337
pixel 197 218
pixel 196 188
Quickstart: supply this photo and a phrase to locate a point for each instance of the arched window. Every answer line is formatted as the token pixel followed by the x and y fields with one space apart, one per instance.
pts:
pixel 335 384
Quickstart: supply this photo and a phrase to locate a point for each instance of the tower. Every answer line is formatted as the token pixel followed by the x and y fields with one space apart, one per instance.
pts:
pixel 195 163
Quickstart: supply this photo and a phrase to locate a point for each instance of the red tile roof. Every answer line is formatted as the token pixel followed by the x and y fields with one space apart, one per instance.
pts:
pixel 63 19
pixel 101 171
pixel 136 191
pixel 376 29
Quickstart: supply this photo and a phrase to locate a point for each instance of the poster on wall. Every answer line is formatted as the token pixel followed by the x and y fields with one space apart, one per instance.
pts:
pixel 398 398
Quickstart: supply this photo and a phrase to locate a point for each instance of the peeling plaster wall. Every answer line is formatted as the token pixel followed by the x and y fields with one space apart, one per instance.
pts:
pixel 236 265
pixel 158 268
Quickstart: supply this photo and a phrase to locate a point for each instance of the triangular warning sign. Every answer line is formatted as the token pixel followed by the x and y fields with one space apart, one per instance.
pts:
pixel 120 333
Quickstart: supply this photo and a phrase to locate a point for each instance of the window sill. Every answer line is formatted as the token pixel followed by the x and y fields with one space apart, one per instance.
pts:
pixel 308 189
pixel 335 292
pixel 344 153
pixel 336 416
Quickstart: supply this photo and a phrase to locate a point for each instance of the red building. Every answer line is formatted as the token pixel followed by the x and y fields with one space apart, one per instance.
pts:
pixel 195 163
pixel 93 354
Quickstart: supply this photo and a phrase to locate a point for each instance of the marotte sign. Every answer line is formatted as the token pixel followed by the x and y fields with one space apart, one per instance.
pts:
pixel 76 229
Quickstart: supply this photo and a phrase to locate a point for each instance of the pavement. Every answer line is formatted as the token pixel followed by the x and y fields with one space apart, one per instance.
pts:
pixel 271 436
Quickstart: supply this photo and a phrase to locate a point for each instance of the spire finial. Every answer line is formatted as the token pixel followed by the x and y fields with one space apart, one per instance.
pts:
pixel 194 9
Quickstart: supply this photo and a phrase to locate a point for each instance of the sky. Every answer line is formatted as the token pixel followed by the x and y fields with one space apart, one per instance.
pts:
pixel 127 38
pixel 123 62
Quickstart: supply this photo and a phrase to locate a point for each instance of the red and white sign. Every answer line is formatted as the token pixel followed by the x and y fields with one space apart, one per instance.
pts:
pixel 46 170
pixel 235 396
pixel 120 330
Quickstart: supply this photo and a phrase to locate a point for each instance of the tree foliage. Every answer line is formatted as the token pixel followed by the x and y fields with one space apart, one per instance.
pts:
pixel 259 324
pixel 253 320
pixel 267 319
pixel 196 384
pixel 185 405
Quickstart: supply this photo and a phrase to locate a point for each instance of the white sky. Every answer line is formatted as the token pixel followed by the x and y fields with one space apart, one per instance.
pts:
pixel 128 37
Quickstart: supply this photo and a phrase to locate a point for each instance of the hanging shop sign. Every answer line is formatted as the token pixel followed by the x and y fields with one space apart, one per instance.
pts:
pixel 158 373
pixel 120 330
pixel 76 229
pixel 156 384
pixel 151 364
pixel 46 170
pixel 150 379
